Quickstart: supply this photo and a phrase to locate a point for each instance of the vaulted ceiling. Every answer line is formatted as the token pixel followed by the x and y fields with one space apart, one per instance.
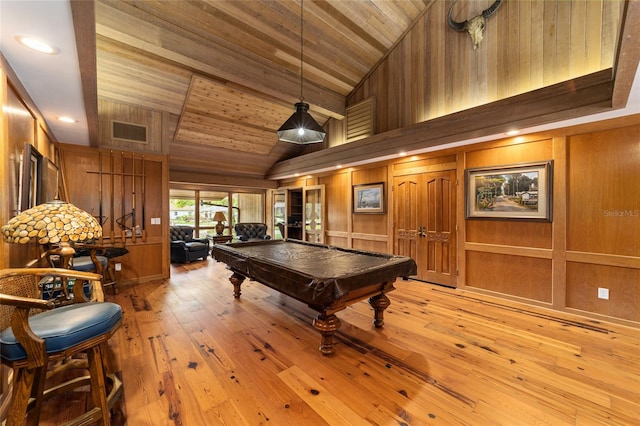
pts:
pixel 223 75
pixel 226 74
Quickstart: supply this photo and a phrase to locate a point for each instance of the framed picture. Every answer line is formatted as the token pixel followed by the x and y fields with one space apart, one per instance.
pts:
pixel 31 177
pixel 21 127
pixel 520 192
pixel 368 198
pixel 49 181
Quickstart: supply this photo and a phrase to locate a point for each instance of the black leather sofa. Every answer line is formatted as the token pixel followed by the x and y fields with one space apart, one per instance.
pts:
pixel 185 248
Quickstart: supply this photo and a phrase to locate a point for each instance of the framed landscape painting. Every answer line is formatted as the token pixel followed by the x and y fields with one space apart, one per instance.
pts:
pixel 520 192
pixel 368 198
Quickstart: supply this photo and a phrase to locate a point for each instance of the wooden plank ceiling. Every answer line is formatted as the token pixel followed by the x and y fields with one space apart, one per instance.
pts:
pixel 227 73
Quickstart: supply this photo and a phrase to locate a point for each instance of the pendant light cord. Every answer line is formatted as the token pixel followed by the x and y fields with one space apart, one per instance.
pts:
pixel 301 45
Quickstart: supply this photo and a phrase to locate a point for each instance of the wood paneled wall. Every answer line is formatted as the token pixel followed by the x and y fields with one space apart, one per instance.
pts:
pixel 370 231
pixel 527 45
pixel 129 114
pixel 338 188
pixel 343 228
pixel 510 257
pixel 593 241
pixel 115 185
pixel 603 222
pixel 20 122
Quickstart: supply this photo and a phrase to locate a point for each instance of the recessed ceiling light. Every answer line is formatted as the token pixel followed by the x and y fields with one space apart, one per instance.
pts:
pixel 67 119
pixel 402 154
pixel 37 45
pixel 339 166
pixel 513 132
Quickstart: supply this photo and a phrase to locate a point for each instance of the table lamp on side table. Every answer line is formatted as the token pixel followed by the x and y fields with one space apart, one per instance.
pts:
pixel 220 217
pixel 53 223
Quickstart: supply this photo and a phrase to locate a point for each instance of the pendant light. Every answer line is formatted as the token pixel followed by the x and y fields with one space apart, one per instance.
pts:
pixel 301 128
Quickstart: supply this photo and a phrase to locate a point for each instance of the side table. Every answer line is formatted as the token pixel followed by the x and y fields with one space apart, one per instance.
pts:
pixel 220 239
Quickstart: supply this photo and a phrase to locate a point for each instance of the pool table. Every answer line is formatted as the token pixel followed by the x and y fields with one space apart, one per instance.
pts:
pixel 326 278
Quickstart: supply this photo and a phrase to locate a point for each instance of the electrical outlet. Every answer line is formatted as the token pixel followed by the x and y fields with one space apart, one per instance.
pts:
pixel 603 293
pixel 118 266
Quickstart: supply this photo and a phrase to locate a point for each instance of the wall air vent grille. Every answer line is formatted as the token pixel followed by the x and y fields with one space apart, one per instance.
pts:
pixel 361 120
pixel 128 132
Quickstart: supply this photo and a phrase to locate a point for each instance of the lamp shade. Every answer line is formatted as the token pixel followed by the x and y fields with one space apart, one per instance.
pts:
pixel 219 217
pixel 301 128
pixel 51 223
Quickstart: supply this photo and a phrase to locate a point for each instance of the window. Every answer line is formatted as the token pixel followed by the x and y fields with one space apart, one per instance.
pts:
pixel 211 203
pixel 198 209
pixel 182 208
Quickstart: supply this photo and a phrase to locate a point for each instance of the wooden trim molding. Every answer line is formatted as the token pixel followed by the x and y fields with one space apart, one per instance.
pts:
pixel 369 237
pixel 425 169
pixel 604 259
pixel 581 96
pixel 540 253
pixel 338 234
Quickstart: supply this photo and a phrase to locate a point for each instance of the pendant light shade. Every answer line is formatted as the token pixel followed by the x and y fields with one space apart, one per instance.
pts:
pixel 301 128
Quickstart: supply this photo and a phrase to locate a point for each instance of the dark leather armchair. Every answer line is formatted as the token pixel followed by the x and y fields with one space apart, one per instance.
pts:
pixel 185 248
pixel 251 231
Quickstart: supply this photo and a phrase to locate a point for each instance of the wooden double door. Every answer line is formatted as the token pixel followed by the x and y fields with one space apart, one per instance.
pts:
pixel 425 224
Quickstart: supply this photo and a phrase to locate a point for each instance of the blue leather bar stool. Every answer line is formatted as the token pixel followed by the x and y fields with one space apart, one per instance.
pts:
pixel 35 333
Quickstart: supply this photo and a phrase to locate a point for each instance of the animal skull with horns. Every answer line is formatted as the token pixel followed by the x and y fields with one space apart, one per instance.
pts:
pixel 474 26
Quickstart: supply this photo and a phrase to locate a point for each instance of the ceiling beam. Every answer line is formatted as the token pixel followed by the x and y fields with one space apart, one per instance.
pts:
pixel 628 54
pixel 84 25
pixel 195 178
pixel 215 61
pixel 571 99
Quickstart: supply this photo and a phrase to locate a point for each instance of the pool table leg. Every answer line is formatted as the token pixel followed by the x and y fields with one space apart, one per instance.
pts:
pixel 327 326
pixel 379 303
pixel 236 279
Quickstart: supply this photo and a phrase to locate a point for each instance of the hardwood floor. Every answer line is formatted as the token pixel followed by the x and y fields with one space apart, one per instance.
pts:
pixel 190 354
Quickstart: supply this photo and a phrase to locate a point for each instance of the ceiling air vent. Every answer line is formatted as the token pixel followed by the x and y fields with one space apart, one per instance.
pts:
pixel 128 132
pixel 360 120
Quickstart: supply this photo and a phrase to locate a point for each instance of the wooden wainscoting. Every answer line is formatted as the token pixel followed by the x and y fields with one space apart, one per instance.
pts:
pixel 189 353
pixel 127 190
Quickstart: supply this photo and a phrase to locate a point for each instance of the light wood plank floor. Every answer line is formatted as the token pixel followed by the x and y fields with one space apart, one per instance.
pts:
pixel 190 354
